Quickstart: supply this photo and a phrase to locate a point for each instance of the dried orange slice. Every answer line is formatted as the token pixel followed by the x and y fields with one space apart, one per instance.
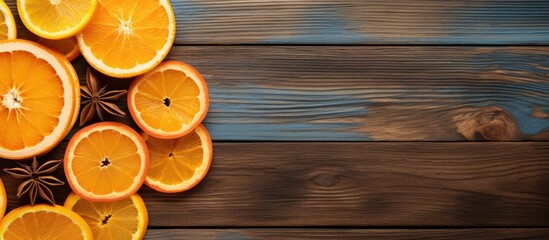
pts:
pixel 44 222
pixel 56 19
pixel 68 47
pixel 169 101
pixel 177 165
pixel 3 199
pixel 128 38
pixel 124 219
pixel 8 30
pixel 39 94
pixel 106 161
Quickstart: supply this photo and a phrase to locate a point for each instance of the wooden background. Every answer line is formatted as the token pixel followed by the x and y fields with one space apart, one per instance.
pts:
pixel 345 119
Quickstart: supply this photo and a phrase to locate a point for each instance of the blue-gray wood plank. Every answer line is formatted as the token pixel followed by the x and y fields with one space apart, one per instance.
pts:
pixel 359 22
pixel 371 93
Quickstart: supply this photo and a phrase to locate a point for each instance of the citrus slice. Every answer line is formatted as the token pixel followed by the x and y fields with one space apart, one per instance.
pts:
pixel 169 101
pixel 8 30
pixel 3 199
pixel 68 47
pixel 38 91
pixel 106 161
pixel 56 19
pixel 122 220
pixel 177 165
pixel 44 222
pixel 128 38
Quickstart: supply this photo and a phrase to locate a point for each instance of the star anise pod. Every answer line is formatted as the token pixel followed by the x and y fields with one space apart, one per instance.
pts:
pixel 97 100
pixel 38 181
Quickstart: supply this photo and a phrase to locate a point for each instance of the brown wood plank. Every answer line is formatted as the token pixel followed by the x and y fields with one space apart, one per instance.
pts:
pixel 356 184
pixel 359 22
pixel 332 234
pixel 372 93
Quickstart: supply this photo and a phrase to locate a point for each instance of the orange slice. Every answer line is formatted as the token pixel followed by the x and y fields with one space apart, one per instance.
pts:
pixel 38 93
pixel 128 38
pixel 68 47
pixel 8 30
pixel 106 161
pixel 56 19
pixel 169 101
pixel 44 222
pixel 177 165
pixel 121 220
pixel 3 199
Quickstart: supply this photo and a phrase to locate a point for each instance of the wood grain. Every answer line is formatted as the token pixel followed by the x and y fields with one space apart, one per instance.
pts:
pixel 293 233
pixel 371 93
pixel 358 22
pixel 356 184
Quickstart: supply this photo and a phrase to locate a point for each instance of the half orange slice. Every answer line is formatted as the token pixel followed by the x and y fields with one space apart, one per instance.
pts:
pixel 56 19
pixel 39 95
pixel 128 38
pixel 44 222
pixel 124 219
pixel 68 47
pixel 106 161
pixel 8 30
pixel 169 101
pixel 177 165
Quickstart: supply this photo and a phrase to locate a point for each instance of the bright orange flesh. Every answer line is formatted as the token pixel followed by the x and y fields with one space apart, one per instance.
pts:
pixel 169 101
pixel 38 93
pixel 3 199
pixel 128 38
pixel 121 220
pixel 68 47
pixel 8 29
pixel 44 222
pixel 56 19
pixel 106 161
pixel 179 164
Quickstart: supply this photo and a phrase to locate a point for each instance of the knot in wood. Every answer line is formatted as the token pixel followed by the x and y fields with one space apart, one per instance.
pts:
pixel 488 123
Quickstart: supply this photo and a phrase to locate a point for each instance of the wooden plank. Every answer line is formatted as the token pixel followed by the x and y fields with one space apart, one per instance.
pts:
pixel 359 22
pixel 293 233
pixel 356 184
pixel 358 93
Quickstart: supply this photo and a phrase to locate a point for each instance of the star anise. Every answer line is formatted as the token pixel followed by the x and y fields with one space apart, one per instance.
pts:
pixel 38 181
pixel 97 100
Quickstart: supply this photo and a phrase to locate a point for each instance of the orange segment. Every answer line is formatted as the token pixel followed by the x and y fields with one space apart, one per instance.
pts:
pixel 122 220
pixel 179 164
pixel 128 38
pixel 169 101
pixel 68 47
pixel 106 162
pixel 38 93
pixel 56 19
pixel 44 222
pixel 3 199
pixel 7 23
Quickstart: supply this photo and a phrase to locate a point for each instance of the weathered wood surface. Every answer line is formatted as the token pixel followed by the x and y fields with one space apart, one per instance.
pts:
pixel 351 234
pixel 371 93
pixel 359 22
pixel 356 184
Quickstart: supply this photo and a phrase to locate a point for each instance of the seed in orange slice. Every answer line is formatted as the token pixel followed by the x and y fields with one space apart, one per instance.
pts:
pixel 56 19
pixel 8 30
pixel 44 222
pixel 38 96
pixel 126 219
pixel 3 199
pixel 106 161
pixel 68 47
pixel 169 101
pixel 177 165
pixel 128 38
